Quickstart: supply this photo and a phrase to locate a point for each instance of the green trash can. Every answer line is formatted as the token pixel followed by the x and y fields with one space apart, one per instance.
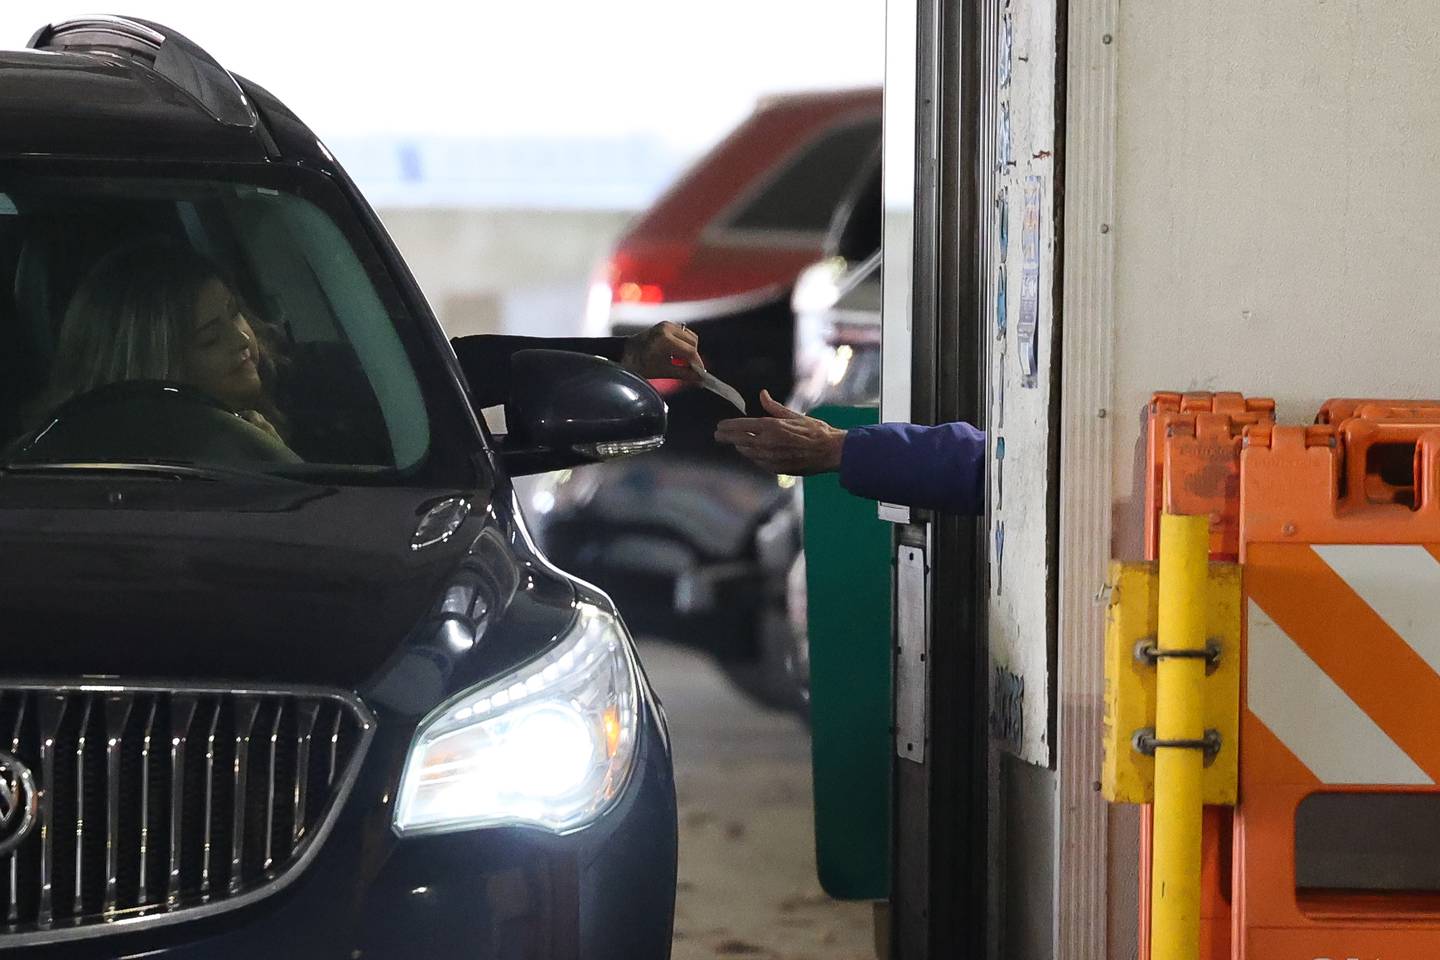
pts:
pixel 847 562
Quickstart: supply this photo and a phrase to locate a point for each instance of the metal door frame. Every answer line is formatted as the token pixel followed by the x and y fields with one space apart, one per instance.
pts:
pixel 939 900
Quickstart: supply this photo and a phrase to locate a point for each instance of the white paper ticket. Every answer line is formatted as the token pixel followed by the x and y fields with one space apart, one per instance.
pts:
pixel 721 389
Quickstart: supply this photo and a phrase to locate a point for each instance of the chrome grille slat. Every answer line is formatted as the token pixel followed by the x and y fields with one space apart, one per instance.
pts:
pixel 117 715
pixel 146 745
pixel 52 714
pixel 180 802
pixel 12 909
pixel 270 786
pixel 305 719
pixel 209 800
pixel 334 746
pixel 87 705
pixel 245 710
pixel 182 714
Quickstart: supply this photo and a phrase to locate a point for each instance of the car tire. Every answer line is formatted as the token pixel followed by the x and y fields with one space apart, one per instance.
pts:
pixel 767 678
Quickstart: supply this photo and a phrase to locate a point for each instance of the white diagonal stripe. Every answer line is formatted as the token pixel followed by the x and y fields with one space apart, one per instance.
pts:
pixel 1401 583
pixel 1313 717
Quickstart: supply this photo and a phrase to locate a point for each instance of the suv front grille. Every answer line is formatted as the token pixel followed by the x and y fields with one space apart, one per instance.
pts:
pixel 159 804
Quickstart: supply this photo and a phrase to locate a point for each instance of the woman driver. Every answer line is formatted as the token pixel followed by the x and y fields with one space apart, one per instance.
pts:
pixel 157 310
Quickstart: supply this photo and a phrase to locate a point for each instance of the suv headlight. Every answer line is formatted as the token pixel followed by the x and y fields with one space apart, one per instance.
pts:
pixel 548 745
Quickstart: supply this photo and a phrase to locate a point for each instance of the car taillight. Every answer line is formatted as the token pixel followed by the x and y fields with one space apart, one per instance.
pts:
pixel 632 292
pixel 644 273
pixel 623 280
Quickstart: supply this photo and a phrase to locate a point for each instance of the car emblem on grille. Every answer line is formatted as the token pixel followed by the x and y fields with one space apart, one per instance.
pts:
pixel 18 801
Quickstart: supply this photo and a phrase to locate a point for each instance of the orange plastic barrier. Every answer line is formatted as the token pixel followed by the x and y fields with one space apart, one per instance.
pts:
pixel 1193 445
pixel 1333 852
pixel 1340 524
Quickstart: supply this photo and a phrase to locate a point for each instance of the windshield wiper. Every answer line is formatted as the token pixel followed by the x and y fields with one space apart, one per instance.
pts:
pixel 158 469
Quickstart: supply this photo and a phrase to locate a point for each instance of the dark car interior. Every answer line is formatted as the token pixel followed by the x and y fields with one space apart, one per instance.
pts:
pixel 857 222
pixel 51 237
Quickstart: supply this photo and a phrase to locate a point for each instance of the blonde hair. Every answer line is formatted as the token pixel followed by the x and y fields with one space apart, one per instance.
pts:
pixel 130 318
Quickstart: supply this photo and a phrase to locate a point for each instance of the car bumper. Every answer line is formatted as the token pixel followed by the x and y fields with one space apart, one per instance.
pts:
pixel 606 891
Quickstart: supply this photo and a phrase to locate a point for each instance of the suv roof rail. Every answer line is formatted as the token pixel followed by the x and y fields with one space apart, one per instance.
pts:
pixel 171 55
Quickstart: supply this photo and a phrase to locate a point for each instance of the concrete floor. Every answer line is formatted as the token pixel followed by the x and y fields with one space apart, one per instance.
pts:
pixel 747 862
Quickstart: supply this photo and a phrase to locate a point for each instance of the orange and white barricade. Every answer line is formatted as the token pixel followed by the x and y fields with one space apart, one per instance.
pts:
pixel 1337 833
pixel 1329 673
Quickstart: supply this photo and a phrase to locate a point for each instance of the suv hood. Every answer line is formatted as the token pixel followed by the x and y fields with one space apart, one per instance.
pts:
pixel 218 581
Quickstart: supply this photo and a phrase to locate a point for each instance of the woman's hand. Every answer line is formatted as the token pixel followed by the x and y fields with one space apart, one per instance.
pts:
pixel 255 419
pixel 784 442
pixel 666 351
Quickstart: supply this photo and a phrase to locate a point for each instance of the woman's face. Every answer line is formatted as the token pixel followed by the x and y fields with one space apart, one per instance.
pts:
pixel 220 356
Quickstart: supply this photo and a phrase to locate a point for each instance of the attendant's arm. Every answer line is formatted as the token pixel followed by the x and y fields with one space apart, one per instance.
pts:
pixel 940 467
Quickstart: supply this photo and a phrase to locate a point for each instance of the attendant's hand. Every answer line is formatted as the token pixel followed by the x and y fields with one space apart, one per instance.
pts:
pixel 667 351
pixel 784 442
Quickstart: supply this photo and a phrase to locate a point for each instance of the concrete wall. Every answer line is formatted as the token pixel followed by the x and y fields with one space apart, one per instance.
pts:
pixel 504 271
pixel 1251 200
pixel 1278 191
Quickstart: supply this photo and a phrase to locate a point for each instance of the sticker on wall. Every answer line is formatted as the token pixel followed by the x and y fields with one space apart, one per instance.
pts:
pixel 999 558
pixel 998 378
pixel 1002 224
pixel 1026 329
pixel 999 474
pixel 1002 303
pixel 1007 43
pixel 1002 315
pixel 1002 139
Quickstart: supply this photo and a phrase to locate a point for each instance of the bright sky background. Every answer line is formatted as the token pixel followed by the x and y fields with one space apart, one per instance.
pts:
pixel 681 70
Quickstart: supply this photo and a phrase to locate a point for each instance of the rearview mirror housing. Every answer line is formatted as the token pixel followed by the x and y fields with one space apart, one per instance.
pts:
pixel 568 408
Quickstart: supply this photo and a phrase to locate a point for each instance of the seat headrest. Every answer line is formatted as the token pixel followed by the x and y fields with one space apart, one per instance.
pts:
pixel 56 254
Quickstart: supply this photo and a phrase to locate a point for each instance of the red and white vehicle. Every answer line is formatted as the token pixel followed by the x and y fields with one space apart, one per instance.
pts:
pixel 729 238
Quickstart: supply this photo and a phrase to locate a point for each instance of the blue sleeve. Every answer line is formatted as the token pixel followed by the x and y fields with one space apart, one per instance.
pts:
pixel 940 467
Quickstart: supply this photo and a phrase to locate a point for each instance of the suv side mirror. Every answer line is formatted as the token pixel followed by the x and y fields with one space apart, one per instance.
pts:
pixel 569 408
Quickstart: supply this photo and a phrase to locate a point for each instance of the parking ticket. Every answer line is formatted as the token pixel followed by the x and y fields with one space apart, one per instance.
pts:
pixel 721 389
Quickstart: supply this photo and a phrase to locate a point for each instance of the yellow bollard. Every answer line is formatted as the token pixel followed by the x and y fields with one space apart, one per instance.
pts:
pixel 1179 716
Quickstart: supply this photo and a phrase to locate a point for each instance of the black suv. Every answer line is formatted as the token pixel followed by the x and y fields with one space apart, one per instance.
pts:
pixel 282 673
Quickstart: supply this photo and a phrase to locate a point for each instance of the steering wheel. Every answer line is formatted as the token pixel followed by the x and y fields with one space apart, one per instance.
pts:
pixel 144 420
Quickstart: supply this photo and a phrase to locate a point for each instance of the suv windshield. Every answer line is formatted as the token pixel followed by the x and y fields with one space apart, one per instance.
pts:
pixel 236 323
